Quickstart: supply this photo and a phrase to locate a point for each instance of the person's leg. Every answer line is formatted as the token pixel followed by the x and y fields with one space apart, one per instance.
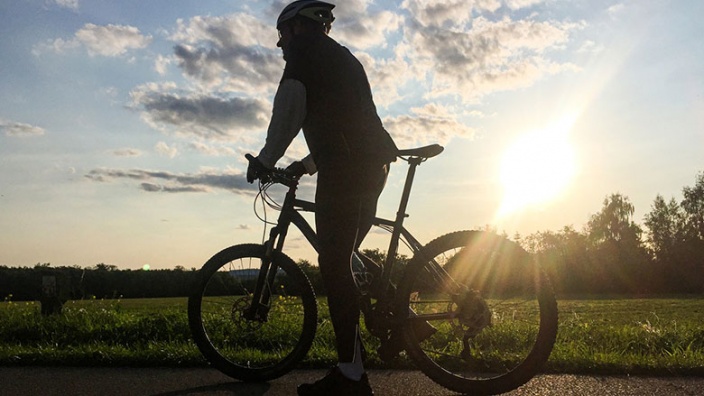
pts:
pixel 376 179
pixel 337 219
pixel 340 197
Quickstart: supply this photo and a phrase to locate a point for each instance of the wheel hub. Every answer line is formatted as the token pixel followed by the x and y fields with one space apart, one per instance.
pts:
pixel 471 313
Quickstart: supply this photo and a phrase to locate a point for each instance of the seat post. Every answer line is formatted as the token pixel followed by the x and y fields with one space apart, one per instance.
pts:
pixel 413 162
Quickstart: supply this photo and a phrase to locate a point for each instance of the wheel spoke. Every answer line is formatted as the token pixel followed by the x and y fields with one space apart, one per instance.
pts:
pixel 247 344
pixel 477 292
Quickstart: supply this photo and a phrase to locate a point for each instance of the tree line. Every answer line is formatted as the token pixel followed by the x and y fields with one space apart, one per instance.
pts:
pixel 612 254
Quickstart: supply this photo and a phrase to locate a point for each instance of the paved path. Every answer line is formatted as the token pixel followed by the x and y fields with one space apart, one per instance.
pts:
pixel 63 381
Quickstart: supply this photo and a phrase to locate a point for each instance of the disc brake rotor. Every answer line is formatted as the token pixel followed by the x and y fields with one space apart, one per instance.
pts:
pixel 238 318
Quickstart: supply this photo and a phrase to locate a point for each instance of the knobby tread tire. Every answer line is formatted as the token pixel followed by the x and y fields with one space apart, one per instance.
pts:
pixel 200 336
pixel 542 347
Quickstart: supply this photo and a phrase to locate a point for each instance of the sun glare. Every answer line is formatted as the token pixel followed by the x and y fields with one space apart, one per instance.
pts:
pixel 537 166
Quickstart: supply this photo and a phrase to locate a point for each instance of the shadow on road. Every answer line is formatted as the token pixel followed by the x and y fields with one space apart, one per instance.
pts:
pixel 236 388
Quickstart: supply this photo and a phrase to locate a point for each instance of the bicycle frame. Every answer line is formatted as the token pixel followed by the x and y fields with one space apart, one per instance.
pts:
pixel 290 214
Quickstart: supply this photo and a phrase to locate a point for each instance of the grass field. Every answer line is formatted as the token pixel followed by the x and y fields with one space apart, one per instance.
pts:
pixel 612 336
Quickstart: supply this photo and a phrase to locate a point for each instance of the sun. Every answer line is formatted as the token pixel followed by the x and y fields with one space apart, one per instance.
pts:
pixel 537 166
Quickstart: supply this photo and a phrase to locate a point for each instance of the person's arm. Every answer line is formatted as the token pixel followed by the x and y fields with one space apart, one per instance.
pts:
pixel 286 120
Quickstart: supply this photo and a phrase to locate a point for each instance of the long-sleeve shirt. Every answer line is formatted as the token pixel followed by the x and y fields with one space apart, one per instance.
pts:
pixel 286 121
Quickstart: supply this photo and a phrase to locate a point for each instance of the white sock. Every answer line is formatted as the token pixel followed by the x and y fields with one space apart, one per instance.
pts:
pixel 355 369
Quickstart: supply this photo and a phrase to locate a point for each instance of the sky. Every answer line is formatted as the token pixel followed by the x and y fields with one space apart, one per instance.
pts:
pixel 124 124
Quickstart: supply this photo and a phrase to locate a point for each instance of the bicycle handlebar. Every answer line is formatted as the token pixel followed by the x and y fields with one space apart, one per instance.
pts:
pixel 275 175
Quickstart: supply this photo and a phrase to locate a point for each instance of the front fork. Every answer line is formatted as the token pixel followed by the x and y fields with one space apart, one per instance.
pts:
pixel 259 308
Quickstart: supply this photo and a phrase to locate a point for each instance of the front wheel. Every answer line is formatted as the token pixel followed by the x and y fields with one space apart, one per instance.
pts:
pixel 492 308
pixel 247 344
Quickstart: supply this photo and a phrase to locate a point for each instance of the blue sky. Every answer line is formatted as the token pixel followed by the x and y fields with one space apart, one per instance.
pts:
pixel 123 124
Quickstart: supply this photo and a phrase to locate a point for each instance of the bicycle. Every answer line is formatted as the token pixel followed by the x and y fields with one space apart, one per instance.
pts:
pixel 490 307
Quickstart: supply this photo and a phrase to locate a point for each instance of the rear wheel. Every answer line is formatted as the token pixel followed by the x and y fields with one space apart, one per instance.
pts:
pixel 245 345
pixel 492 306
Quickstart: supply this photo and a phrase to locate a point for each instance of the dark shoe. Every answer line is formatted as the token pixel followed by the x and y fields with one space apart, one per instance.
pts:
pixel 390 349
pixel 336 384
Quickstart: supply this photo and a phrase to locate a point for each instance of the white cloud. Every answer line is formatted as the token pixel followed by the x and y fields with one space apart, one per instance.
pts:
pixel 447 13
pixel 213 150
pixel 108 40
pixel 162 63
pixel 166 150
pixel 426 125
pixel 357 26
pixel 111 40
pixel 19 129
pixel 70 4
pixel 519 4
pixel 492 56
pixel 386 76
pixel 616 10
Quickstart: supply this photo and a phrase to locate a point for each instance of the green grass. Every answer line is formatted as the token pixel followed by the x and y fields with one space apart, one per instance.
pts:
pixel 608 336
pixel 636 336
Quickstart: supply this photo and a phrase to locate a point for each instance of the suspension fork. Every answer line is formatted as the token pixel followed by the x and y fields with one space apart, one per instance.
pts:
pixel 259 308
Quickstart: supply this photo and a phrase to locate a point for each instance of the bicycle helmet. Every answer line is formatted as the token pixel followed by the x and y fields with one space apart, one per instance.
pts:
pixel 318 11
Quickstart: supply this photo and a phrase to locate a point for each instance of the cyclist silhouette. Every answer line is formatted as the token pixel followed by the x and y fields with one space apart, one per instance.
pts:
pixel 325 91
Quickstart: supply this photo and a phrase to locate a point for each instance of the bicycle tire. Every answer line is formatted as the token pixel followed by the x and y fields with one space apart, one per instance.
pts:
pixel 520 306
pixel 251 350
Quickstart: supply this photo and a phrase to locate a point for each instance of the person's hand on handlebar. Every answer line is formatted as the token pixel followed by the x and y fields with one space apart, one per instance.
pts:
pixel 297 169
pixel 255 170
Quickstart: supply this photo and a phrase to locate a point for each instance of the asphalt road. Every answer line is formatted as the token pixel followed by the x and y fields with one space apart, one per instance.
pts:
pixel 19 381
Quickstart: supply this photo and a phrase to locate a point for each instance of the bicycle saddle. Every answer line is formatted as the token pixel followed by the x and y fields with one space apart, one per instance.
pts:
pixel 423 152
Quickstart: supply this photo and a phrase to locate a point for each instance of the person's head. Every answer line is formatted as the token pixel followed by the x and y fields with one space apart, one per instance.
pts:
pixel 304 16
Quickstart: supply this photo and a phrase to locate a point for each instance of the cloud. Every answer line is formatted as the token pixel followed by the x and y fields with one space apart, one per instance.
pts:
pixel 616 10
pixel 164 149
pixel 212 150
pixel 447 13
pixel 426 125
pixel 196 114
pixel 229 53
pixel 19 129
pixel 111 40
pixel 70 4
pixel 161 64
pixel 452 50
pixel 491 56
pixel 519 4
pixel 164 181
pixel 108 40
pixel 127 152
pixel 360 27
pixel 150 187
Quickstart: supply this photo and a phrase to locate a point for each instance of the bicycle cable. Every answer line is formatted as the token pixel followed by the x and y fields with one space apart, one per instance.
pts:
pixel 266 200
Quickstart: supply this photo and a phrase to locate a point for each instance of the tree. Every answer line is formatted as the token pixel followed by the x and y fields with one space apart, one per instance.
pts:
pixel 666 237
pixel 692 261
pixel 693 205
pixel 666 228
pixel 619 258
pixel 564 256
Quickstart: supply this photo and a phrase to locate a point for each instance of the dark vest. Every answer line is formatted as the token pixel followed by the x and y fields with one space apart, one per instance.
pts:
pixel 341 124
